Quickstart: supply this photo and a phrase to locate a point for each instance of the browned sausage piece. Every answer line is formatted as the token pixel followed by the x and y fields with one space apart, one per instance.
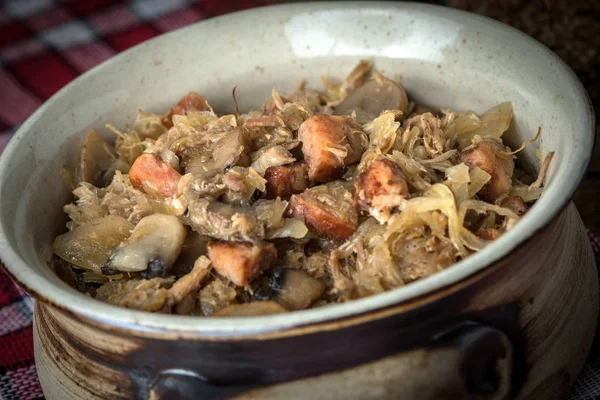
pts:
pixel 515 204
pixel 240 262
pixel 329 143
pixel 155 177
pixel 327 210
pixel 286 180
pixel 190 102
pixel 500 168
pixel 381 177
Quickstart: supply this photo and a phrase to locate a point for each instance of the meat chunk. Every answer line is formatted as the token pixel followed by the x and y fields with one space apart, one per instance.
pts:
pixel 240 262
pixel 191 102
pixel 328 210
pixel 155 177
pixel 382 177
pixel 286 180
pixel 500 168
pixel 515 204
pixel 330 143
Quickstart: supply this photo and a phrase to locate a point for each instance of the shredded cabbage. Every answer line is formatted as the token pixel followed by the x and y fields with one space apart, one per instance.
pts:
pixel 382 131
pixel 292 227
pixel 458 179
pixel 492 124
pixel 404 200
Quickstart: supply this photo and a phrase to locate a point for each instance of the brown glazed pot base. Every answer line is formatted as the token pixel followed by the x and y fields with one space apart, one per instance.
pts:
pixel 519 329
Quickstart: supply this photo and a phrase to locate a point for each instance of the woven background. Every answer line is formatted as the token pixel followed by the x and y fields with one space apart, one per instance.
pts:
pixel 44 44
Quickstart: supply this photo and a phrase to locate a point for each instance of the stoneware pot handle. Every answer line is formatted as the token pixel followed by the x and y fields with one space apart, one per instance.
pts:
pixel 468 360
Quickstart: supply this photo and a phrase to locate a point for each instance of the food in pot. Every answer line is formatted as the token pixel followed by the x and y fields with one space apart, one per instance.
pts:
pixel 321 197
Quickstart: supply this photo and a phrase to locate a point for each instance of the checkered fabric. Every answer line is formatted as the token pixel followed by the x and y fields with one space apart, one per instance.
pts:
pixel 44 44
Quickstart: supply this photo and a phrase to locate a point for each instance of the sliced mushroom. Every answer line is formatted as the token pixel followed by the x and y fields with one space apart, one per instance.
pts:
pixel 374 97
pixel 299 290
pixel 152 248
pixel 88 246
pixel 95 157
pixel 291 288
pixel 250 309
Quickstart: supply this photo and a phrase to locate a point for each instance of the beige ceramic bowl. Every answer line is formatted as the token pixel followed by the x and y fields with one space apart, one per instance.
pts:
pixel 445 58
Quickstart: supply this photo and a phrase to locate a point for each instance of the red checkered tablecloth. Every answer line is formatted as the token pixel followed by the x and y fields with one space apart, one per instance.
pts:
pixel 44 44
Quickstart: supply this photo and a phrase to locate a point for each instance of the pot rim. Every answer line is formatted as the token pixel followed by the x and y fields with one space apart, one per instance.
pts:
pixel 542 214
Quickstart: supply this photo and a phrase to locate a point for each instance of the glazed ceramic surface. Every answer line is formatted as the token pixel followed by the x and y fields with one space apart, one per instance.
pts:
pixel 520 328
pixel 445 57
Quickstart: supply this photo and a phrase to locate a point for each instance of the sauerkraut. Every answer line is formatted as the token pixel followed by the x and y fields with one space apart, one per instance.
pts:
pixel 319 197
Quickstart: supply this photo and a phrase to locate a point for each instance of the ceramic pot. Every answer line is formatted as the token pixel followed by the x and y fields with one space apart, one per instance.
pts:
pixel 515 320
